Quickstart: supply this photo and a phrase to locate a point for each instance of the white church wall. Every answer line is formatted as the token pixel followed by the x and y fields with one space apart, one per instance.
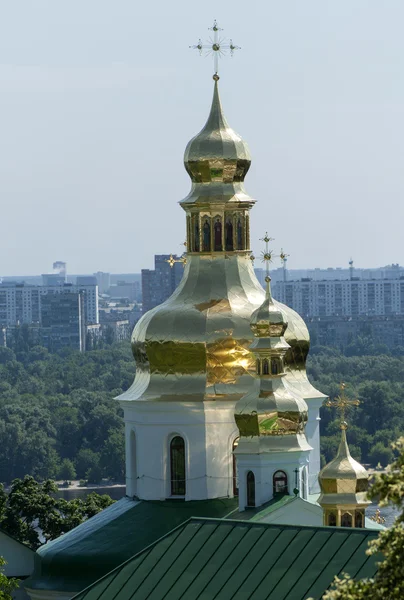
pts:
pixel 264 466
pixel 208 430
pixel 295 512
pixel 313 437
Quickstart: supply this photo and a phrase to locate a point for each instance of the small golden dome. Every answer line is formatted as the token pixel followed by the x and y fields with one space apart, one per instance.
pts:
pixel 268 320
pixel 343 475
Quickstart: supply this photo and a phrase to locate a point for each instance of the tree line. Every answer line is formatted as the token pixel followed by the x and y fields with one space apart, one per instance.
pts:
pixel 58 418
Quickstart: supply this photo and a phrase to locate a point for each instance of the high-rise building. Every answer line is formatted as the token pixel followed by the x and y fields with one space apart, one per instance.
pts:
pixel 21 303
pixel 349 297
pixel 62 320
pixel 103 281
pixel 158 285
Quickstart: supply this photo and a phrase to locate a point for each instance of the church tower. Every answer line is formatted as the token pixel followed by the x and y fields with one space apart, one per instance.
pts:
pixel 343 481
pixel 193 361
pixel 272 452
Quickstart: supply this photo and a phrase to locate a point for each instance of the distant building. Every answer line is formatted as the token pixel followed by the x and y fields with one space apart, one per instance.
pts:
pixel 21 303
pixel 158 285
pixel 126 289
pixel 341 331
pixel 62 320
pixel 346 298
pixel 119 330
pixel 103 281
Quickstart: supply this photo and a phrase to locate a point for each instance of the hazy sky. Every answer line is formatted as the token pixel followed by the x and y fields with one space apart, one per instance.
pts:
pixel 98 99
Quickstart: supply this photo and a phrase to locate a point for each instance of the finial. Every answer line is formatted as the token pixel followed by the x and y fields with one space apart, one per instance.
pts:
pixel 342 403
pixel 216 46
pixel 377 517
pixel 171 261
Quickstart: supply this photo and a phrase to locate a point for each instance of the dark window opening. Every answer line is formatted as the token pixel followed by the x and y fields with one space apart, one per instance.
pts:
pixel 280 482
pixel 250 489
pixel 177 466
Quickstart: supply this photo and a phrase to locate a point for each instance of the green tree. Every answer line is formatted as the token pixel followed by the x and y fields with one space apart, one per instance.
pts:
pixel 67 472
pixel 31 507
pixel 380 454
pixel 388 584
pixel 7 584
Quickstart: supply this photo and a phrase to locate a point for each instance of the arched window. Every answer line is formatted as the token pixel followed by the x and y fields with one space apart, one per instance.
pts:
pixel 250 489
pixel 196 246
pixel 280 482
pixel 229 234
pixel 177 466
pixel 346 520
pixel 217 235
pixel 274 366
pixel 206 236
pixel 239 235
pixel 235 476
pixel 332 519
pixel 265 367
pixel 359 519
pixel 258 366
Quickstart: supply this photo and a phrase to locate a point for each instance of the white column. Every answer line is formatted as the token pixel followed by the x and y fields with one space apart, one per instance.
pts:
pixel 313 438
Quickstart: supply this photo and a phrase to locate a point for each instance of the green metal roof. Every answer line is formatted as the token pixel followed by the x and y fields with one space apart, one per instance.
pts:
pixel 234 560
pixel 86 553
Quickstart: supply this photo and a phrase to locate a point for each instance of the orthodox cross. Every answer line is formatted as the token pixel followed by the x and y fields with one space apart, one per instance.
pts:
pixel 342 403
pixel 284 257
pixel 171 261
pixel 216 46
pixel 267 255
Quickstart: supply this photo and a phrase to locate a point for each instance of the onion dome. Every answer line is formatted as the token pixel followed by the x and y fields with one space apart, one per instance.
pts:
pixel 271 413
pixel 343 475
pixel 344 484
pixel 218 156
pixel 268 320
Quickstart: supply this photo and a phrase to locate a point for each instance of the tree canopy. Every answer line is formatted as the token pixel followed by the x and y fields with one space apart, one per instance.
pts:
pixel 33 514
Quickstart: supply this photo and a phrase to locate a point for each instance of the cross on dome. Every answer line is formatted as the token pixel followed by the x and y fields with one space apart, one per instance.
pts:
pixel 215 46
pixel 342 403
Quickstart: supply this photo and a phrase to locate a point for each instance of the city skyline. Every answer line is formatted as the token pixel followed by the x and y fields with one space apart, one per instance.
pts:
pixel 99 110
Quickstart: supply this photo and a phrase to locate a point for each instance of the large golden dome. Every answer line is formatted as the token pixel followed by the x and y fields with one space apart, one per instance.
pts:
pixel 195 346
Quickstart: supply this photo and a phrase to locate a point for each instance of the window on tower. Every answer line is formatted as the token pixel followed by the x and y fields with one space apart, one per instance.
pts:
pixel 218 235
pixel 206 235
pixel 250 489
pixel 280 483
pixel 229 234
pixel 346 520
pixel 177 466
pixel 332 519
pixel 265 367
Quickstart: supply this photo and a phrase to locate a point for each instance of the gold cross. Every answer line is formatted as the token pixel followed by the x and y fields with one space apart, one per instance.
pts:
pixel 216 46
pixel 342 403
pixel 171 261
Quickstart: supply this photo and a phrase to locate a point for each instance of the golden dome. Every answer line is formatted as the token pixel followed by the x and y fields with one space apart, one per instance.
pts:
pixel 271 411
pixel 343 475
pixel 268 320
pixel 196 345
pixel 218 156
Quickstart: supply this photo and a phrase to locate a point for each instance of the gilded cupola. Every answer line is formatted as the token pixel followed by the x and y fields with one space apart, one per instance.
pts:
pixel 217 154
pixel 271 412
pixel 195 346
pixel 343 481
